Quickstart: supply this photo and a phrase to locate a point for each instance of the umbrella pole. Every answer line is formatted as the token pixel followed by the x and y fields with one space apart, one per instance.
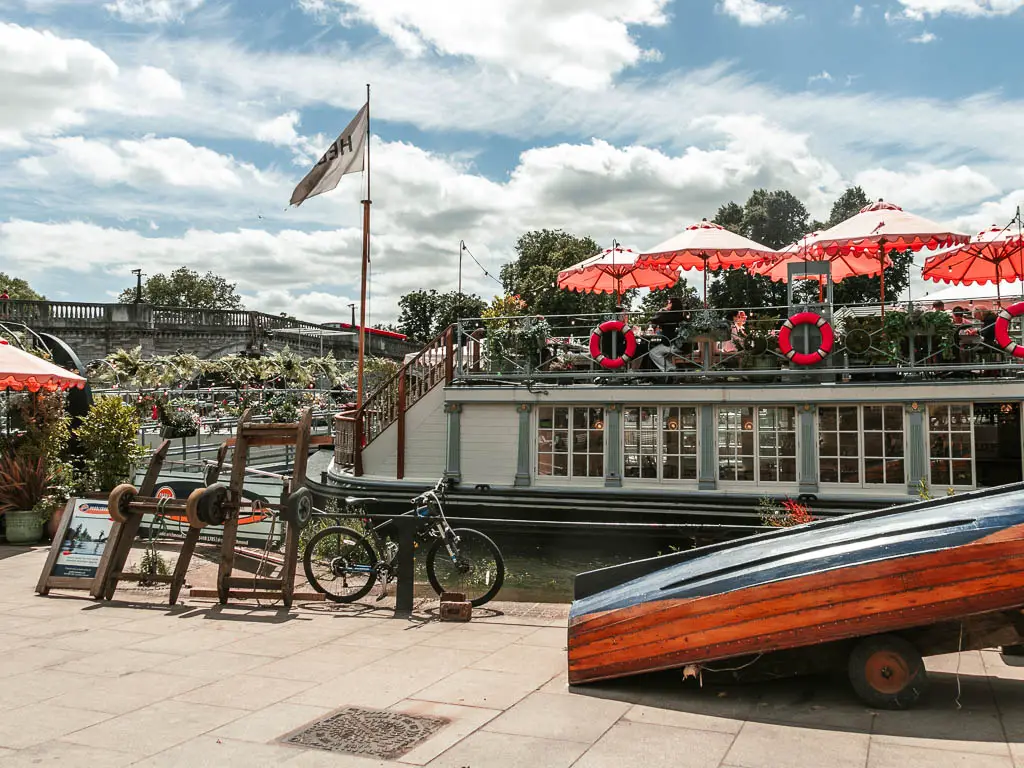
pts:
pixel 705 285
pixel 881 275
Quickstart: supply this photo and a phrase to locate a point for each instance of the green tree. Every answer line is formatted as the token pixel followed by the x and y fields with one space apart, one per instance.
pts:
pixel 730 216
pixel 775 219
pixel 185 287
pixel 424 314
pixel 17 289
pixel 541 255
pixel 655 300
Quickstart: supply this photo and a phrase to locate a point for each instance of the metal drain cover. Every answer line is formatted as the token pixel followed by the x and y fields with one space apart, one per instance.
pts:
pixel 375 732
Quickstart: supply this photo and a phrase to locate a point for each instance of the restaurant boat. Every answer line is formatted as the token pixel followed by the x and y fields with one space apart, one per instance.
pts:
pixel 565 419
pixel 873 592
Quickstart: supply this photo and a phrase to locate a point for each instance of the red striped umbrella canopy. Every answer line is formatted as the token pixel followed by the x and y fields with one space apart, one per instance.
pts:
pixel 992 256
pixel 615 270
pixel 842 264
pixel 21 371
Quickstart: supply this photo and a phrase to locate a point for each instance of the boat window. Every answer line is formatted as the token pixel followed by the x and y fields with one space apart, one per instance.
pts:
pixel 660 443
pixel 861 445
pixel 757 445
pixel 570 442
pixel 950 445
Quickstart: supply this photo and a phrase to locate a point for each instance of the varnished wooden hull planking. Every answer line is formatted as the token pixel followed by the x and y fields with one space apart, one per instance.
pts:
pixel 871 573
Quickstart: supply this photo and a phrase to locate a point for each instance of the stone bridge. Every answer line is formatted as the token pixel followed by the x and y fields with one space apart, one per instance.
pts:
pixel 96 330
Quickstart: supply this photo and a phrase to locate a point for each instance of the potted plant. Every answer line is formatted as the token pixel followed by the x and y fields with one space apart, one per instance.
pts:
pixel 178 418
pixel 757 339
pixel 108 434
pixel 24 485
pixel 705 325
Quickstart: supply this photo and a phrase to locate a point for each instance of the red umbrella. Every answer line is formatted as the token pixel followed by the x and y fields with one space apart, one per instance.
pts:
pixel 707 246
pixel 841 265
pixel 615 270
pixel 21 371
pixel 992 256
pixel 881 228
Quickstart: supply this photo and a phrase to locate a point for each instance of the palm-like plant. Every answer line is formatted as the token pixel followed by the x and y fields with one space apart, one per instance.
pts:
pixel 24 482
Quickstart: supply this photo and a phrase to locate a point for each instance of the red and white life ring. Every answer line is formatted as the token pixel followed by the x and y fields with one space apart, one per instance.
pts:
pixel 615 326
pixel 1002 329
pixel 806 358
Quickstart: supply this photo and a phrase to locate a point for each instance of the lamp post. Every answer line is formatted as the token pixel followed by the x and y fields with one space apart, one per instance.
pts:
pixel 353 308
pixel 138 285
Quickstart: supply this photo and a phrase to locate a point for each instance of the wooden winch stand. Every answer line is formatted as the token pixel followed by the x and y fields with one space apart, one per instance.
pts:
pixel 252 435
pixel 213 505
pixel 122 535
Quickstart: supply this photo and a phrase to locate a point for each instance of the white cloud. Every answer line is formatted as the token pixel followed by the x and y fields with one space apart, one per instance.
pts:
pixel 925 187
pixel 924 38
pixel 823 76
pixel 279 130
pixel 49 83
pixel 921 9
pixel 152 11
pixel 858 14
pixel 580 43
pixel 148 164
pixel 753 13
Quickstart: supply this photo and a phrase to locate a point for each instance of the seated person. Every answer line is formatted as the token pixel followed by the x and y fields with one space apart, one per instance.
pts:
pixel 959 316
pixel 938 306
pixel 667 321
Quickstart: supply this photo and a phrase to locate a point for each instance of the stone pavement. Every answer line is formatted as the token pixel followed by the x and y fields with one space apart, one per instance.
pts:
pixel 136 683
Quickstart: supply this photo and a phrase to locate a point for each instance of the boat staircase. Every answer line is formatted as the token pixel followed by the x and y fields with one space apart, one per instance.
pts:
pixel 388 405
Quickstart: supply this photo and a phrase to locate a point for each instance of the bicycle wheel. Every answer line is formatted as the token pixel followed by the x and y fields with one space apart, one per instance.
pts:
pixel 477 570
pixel 340 563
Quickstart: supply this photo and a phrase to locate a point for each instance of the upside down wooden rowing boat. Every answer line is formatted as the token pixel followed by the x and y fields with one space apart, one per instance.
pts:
pixel 923 578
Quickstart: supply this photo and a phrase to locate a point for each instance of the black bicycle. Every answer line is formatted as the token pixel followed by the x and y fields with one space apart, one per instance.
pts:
pixel 344 563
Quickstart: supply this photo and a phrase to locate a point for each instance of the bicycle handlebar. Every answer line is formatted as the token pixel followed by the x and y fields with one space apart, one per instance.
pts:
pixel 439 489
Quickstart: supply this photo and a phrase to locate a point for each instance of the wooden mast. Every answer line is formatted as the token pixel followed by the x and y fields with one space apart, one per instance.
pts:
pixel 366 262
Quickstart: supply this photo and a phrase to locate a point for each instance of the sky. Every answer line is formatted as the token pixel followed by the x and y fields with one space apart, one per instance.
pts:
pixel 161 133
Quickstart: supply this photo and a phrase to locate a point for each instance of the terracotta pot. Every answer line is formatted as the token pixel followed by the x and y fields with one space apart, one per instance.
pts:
pixel 53 524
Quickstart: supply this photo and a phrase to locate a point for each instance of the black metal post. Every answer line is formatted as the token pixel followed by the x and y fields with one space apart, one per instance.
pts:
pixel 406 533
pixel 138 285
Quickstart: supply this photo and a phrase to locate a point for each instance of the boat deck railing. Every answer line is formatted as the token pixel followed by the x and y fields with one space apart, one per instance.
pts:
pixel 742 345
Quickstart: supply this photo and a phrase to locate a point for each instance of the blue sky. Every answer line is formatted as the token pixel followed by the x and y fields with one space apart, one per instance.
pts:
pixel 156 133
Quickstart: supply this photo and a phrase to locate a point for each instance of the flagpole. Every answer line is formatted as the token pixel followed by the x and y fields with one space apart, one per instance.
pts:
pixel 366 261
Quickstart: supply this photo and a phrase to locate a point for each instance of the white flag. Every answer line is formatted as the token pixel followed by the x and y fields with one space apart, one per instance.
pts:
pixel 345 155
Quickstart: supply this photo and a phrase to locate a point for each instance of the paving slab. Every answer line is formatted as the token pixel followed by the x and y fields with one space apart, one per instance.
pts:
pixel 487 749
pixel 767 745
pixel 656 746
pixel 900 756
pixel 479 688
pixel 567 718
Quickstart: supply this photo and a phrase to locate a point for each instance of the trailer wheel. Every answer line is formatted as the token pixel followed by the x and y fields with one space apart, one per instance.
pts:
pixel 887 672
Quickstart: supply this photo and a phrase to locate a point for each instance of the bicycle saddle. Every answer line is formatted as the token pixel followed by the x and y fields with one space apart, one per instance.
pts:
pixel 352 501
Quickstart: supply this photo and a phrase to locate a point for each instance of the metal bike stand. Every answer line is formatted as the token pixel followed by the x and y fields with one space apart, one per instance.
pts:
pixel 406 546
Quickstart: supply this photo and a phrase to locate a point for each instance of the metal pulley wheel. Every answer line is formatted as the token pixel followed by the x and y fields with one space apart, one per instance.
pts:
pixel 212 505
pixel 298 508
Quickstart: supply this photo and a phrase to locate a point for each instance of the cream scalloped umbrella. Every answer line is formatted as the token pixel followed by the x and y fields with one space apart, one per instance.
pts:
pixel 708 247
pixel 879 229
